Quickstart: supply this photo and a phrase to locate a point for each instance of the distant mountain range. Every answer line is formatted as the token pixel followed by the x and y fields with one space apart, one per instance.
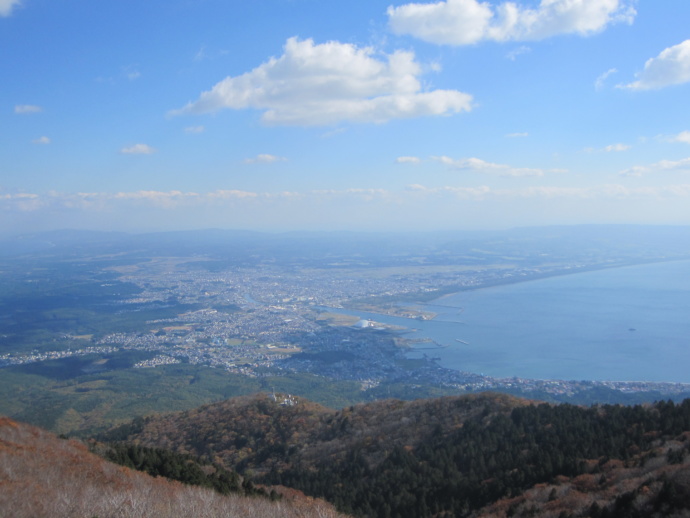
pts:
pixel 575 241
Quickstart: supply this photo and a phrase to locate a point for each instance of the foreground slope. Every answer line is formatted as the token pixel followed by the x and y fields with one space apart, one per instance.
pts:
pixel 480 455
pixel 44 476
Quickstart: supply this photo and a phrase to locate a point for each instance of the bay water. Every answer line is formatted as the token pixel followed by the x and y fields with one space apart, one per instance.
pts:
pixel 620 324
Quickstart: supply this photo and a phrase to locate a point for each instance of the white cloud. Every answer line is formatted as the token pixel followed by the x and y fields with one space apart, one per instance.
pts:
pixel 601 80
pixel 481 166
pixel 138 149
pixel 548 192
pixel 616 147
pixel 407 160
pixel 324 84
pixel 23 109
pixel 41 140
pixel 194 129
pixel 6 6
pixel 464 22
pixel 333 133
pixel 683 136
pixel 132 74
pixel 264 159
pixel 22 202
pixel 228 194
pixel 517 135
pixel 461 192
pixel 661 166
pixel 352 190
pixel 670 67
pixel 513 54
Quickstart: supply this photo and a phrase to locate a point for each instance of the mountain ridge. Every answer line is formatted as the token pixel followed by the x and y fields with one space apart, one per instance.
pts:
pixel 476 455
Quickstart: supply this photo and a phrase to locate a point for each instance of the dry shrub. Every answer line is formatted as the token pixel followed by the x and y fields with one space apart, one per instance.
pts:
pixel 43 476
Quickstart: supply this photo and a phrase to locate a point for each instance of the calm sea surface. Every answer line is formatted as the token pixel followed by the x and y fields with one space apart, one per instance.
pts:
pixel 622 324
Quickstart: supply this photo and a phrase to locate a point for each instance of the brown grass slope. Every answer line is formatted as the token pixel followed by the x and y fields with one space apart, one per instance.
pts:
pixel 44 476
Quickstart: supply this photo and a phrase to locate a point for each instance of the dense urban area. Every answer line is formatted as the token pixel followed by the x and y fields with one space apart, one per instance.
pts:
pixel 270 318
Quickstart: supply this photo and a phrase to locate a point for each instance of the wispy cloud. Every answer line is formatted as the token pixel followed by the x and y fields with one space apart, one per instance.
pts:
pixel 612 148
pixel 517 135
pixel 670 67
pixel 682 165
pixel 138 149
pixel 616 148
pixel 24 109
pixel 482 166
pixel 601 80
pixel 464 22
pixel 322 84
pixel 41 140
pixel 333 133
pixel 194 129
pixel 131 73
pixel 22 202
pixel 6 6
pixel 513 54
pixel 407 160
pixel 264 159
pixel 548 192
pixel 273 205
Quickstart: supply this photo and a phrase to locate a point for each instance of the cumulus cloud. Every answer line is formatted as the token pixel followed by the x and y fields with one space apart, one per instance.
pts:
pixel 683 136
pixel 464 22
pixel 264 159
pixel 682 165
pixel 6 6
pixel 407 160
pixel 670 67
pixel 321 84
pixel 41 140
pixel 23 109
pixel 138 149
pixel 482 166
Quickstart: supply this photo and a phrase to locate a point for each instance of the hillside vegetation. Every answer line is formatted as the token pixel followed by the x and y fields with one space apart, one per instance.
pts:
pixel 480 455
pixel 44 476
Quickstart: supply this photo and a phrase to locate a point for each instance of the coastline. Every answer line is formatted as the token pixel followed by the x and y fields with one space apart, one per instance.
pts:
pixel 427 298
pixel 401 305
pixel 607 356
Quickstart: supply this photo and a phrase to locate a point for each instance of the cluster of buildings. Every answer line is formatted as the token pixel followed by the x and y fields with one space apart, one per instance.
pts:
pixel 264 320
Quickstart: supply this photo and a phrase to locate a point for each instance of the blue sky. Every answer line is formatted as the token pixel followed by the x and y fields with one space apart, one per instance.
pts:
pixel 329 115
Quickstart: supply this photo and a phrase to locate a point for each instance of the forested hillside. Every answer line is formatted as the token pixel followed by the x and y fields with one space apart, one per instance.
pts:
pixel 42 476
pixel 456 456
